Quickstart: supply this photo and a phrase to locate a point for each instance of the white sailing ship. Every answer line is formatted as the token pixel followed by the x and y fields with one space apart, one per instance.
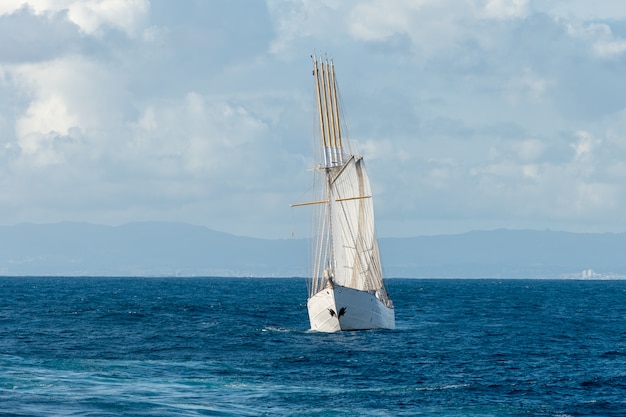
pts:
pixel 346 289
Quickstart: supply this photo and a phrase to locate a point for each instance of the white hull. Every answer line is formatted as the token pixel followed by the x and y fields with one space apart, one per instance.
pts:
pixel 342 308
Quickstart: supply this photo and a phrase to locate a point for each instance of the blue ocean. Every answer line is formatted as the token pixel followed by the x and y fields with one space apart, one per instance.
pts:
pixel 241 347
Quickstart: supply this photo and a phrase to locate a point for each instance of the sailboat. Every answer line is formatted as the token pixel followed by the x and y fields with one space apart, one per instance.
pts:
pixel 346 289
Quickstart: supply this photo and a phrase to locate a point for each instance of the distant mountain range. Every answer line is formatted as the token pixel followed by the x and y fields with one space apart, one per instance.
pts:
pixel 175 249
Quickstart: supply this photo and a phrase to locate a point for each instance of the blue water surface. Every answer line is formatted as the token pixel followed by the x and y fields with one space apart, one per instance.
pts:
pixel 241 347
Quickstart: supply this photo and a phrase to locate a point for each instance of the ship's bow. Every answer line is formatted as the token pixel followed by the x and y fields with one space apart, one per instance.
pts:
pixel 342 308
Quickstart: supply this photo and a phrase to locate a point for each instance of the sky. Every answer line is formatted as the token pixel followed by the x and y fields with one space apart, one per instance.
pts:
pixel 471 114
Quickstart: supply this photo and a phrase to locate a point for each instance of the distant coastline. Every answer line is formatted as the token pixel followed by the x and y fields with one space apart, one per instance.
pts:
pixel 155 249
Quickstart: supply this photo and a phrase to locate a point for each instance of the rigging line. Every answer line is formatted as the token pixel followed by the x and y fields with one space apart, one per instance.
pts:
pixel 293 224
pixel 316 250
pixel 342 169
pixel 324 256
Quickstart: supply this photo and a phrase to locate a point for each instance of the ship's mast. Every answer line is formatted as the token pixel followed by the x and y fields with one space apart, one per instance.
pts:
pixel 328 110
pixel 337 127
pixel 318 90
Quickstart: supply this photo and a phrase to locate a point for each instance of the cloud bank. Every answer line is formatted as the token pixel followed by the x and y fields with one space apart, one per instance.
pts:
pixel 473 114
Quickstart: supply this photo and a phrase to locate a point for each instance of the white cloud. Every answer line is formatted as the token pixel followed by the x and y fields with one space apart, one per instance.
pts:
pixel 527 86
pixel 200 136
pixel 584 145
pixel 505 9
pixel 432 26
pixel 582 9
pixel 523 151
pixel 125 15
pixel 382 149
pixel 600 37
pixel 89 15
pixel 375 21
pixel 304 19
pixel 69 92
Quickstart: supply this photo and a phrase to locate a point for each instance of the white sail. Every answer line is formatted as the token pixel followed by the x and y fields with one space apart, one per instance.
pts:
pixel 346 290
pixel 357 261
